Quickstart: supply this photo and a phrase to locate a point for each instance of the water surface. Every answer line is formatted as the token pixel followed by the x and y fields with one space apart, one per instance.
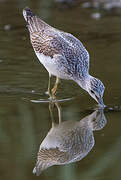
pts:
pixel 25 120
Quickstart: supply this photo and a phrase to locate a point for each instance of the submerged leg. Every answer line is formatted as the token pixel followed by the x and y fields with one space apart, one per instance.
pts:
pixel 55 86
pixel 59 111
pixel 51 106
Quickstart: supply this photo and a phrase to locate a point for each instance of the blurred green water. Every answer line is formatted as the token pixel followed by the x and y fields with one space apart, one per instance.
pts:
pixel 23 124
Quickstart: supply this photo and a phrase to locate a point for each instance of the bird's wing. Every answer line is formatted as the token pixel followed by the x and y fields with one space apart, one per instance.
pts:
pixel 72 49
pixel 50 41
pixel 76 43
pixel 43 44
pixel 72 57
pixel 74 52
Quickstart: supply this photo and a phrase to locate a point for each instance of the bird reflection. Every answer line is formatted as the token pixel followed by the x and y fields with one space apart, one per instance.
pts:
pixel 68 141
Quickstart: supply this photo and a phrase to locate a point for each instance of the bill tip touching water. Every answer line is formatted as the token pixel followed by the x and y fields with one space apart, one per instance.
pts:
pixel 63 56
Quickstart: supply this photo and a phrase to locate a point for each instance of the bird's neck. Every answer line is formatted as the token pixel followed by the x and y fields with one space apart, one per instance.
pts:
pixel 84 83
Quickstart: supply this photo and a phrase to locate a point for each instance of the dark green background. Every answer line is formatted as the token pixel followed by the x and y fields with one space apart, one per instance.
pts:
pixel 24 124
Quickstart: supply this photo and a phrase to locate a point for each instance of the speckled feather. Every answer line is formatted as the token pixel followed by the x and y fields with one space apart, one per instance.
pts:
pixel 47 40
pixel 63 55
pixel 68 141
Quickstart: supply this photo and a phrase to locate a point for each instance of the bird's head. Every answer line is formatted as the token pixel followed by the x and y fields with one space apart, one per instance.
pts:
pixel 96 89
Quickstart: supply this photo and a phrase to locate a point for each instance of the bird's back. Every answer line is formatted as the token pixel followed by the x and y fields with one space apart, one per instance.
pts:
pixel 50 42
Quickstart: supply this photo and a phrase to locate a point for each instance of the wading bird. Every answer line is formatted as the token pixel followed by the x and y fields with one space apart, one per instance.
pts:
pixel 63 56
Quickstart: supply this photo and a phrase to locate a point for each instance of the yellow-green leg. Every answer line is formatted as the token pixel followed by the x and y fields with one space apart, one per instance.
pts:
pixel 55 86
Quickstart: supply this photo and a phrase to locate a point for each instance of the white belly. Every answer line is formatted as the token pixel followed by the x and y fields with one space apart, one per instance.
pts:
pixel 51 65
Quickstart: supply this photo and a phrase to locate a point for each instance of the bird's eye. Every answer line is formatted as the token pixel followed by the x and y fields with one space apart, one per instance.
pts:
pixel 92 92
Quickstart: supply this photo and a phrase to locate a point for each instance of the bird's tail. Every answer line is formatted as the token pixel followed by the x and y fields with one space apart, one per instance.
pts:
pixel 34 23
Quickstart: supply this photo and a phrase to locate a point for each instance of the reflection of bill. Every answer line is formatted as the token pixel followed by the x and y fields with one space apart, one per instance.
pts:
pixel 68 141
